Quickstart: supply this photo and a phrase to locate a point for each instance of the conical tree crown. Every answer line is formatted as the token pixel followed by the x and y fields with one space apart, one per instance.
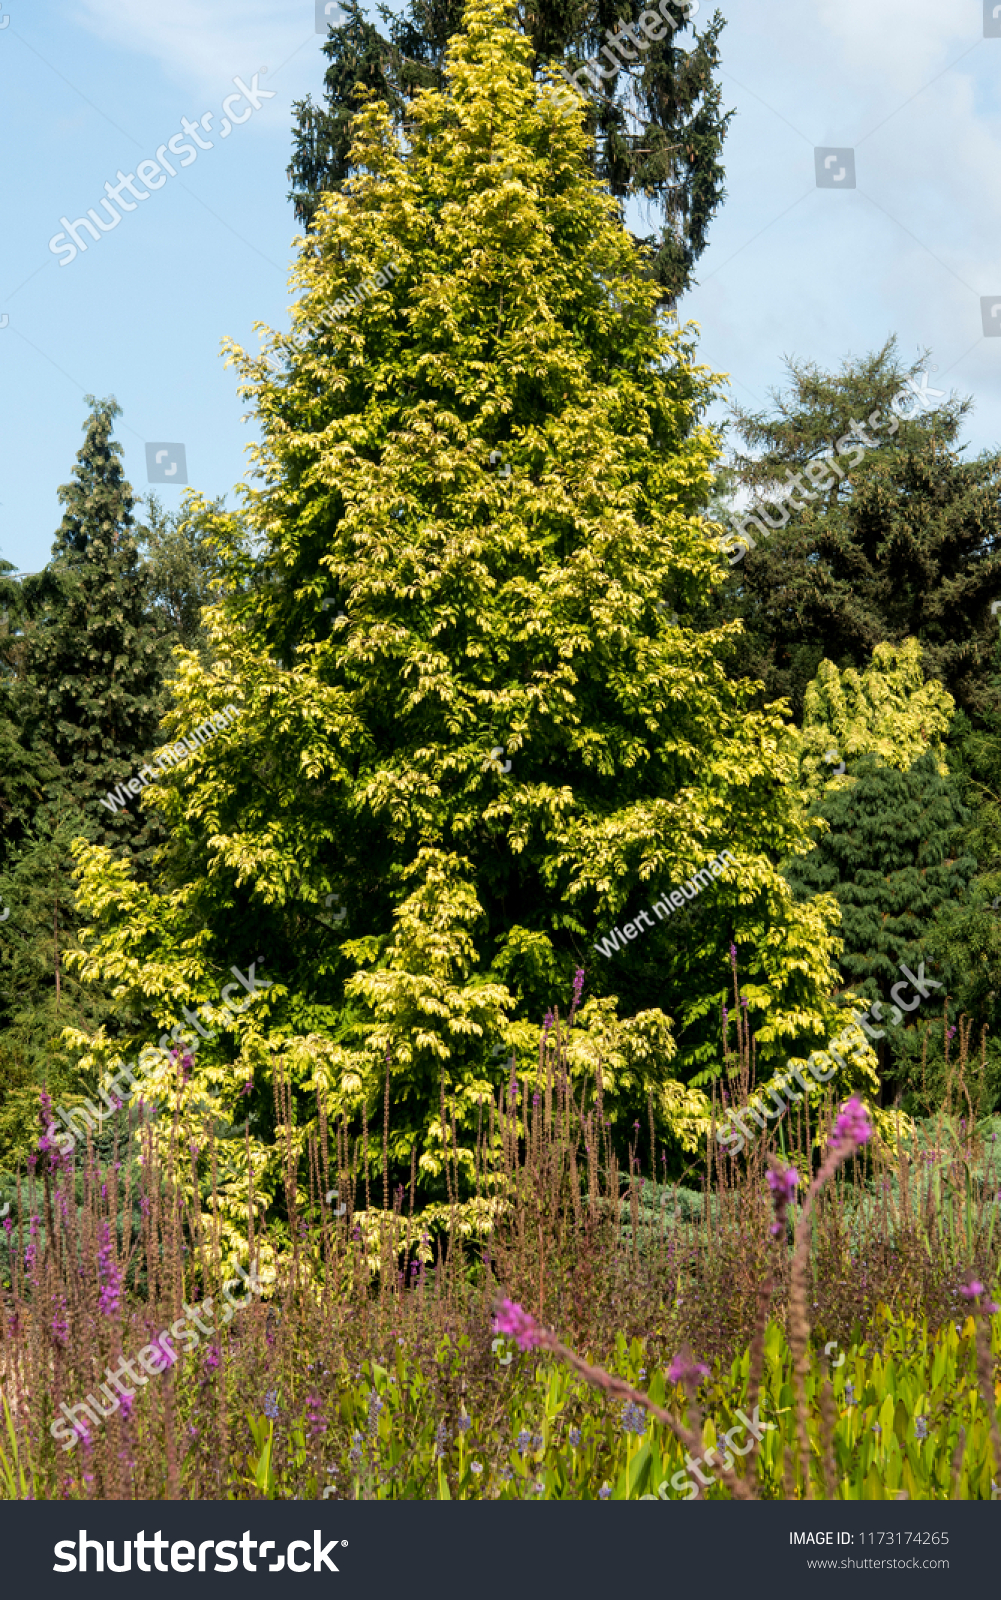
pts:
pixel 92 658
pixel 475 728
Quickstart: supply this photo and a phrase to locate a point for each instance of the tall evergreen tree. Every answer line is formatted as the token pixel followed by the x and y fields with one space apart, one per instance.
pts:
pixel 654 114
pixel 886 856
pixel 91 694
pixel 473 738
pixel 902 540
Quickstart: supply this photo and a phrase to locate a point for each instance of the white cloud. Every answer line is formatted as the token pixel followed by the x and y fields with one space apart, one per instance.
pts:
pixel 203 44
pixel 913 247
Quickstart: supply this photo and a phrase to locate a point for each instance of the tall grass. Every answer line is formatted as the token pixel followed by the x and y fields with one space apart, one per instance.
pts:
pixel 368 1362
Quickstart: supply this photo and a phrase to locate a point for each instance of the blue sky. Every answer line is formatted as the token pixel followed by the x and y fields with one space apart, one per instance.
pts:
pixel 93 86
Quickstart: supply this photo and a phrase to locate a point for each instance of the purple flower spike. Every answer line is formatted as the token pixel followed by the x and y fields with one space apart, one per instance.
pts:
pixel 110 1297
pixel 783 1181
pixel 684 1370
pixel 972 1291
pixel 733 952
pixel 852 1126
pixel 518 1324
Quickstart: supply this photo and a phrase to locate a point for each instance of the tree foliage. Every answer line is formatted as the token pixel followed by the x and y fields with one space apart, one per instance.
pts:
pixel 657 121
pixel 471 734
pixel 902 544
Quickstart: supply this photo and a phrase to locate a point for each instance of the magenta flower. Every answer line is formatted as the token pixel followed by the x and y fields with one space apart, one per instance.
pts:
pixel 518 1324
pixel 578 989
pixel 783 1182
pixel 852 1125
pixel 972 1291
pixel 315 1424
pixel 109 1274
pixel 60 1325
pixel 684 1370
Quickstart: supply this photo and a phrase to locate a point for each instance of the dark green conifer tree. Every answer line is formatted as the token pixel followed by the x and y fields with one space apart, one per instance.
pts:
pixel 656 120
pixel 93 660
pixel 905 543
pixel 79 709
pixel 887 857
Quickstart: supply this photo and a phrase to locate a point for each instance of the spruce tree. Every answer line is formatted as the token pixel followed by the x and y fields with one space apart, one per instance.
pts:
pixel 886 856
pixel 92 668
pixel 474 736
pixel 967 936
pixel 904 540
pixel 656 120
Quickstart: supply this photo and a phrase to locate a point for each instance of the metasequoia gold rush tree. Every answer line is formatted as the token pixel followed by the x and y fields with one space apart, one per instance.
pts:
pixel 473 732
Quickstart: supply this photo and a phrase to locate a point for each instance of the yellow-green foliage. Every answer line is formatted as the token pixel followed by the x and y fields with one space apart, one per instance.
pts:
pixel 888 711
pixel 468 609
pixel 878 1452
